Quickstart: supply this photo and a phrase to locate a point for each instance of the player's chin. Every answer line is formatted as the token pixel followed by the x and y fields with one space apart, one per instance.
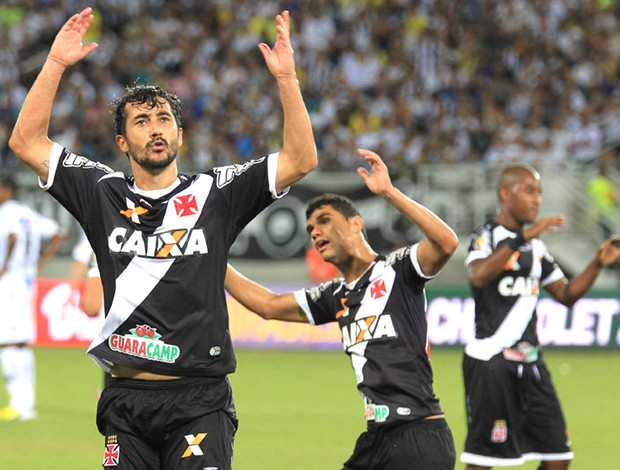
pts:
pixel 327 255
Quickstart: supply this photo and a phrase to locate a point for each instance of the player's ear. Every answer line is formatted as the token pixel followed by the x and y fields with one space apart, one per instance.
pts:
pixel 122 143
pixel 357 223
pixel 504 194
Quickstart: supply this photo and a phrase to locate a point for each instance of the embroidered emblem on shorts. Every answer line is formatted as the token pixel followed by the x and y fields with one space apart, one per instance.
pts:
pixel 112 453
pixel 194 444
pixel 499 433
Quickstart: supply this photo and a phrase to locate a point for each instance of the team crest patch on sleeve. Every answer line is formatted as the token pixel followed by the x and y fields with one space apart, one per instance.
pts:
pixel 144 341
pixel 112 453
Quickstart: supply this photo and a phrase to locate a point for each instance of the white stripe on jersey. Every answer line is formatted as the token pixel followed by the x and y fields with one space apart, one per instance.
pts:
pixel 195 194
pixel 517 319
pixel 145 272
pixel 369 309
pixel 509 332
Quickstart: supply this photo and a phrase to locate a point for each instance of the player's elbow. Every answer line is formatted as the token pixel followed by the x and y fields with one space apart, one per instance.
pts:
pixel 309 162
pixel 18 144
pixel 28 149
pixel 90 308
pixel 450 244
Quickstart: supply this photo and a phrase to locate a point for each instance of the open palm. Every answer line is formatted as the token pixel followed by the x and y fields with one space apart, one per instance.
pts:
pixel 67 48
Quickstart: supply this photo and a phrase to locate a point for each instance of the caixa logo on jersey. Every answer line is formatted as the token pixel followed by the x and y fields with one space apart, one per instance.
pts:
pixel 367 329
pixel 170 244
pixel 518 286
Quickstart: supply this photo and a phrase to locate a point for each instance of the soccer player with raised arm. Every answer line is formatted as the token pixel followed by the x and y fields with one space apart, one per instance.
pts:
pixel 513 412
pixel 161 239
pixel 380 306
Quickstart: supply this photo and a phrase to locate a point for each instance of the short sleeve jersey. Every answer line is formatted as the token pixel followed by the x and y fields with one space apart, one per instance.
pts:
pixel 506 307
pixel 382 319
pixel 31 228
pixel 163 259
pixel 11 224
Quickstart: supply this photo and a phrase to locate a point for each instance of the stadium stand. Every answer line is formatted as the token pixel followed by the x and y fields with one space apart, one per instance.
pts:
pixel 445 90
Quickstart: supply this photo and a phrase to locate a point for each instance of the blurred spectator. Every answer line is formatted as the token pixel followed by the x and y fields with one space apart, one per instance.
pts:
pixel 603 199
pixel 465 80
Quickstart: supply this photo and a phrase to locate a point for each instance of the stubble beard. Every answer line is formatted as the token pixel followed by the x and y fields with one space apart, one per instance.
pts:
pixel 142 156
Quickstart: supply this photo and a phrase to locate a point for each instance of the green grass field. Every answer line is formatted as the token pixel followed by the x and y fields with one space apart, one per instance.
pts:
pixel 299 410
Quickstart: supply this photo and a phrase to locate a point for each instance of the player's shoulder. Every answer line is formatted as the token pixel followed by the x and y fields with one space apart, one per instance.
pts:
pixel 329 288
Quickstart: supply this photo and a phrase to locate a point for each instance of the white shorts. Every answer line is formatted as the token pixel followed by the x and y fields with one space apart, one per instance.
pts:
pixel 16 312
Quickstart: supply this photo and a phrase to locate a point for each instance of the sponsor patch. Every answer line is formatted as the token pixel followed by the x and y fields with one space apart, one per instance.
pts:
pixel 133 212
pixel 377 413
pixel 144 341
pixel 194 444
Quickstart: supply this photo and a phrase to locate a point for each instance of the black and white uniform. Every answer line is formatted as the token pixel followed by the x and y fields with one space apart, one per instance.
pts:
pixel 513 411
pixel 162 256
pixel 17 284
pixel 382 318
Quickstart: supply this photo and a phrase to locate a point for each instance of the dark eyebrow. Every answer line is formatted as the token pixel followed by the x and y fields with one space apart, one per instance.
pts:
pixel 140 116
pixel 147 116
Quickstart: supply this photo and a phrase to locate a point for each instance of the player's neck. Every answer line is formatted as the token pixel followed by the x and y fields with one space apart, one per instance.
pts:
pixel 509 222
pixel 357 265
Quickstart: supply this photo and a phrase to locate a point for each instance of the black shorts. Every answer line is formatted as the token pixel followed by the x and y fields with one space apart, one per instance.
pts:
pixel 513 413
pixel 188 424
pixel 425 444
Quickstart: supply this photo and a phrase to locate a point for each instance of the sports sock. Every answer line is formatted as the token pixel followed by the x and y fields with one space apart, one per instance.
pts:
pixel 18 366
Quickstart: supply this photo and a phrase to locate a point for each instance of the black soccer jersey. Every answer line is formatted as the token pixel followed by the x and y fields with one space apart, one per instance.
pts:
pixel 382 319
pixel 506 307
pixel 162 257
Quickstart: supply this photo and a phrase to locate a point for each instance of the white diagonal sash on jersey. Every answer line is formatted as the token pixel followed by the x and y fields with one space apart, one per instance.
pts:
pixel 371 307
pixel 147 272
pixel 508 333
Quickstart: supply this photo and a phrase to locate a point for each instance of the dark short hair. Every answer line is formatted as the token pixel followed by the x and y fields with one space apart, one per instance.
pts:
pixel 143 94
pixel 8 181
pixel 341 204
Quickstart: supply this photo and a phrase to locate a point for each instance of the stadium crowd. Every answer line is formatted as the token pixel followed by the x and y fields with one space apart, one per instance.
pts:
pixel 417 81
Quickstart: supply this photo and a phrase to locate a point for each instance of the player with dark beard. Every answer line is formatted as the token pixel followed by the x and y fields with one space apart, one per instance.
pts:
pixel 161 240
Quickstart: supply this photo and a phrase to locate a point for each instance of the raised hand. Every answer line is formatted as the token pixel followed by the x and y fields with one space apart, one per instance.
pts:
pixel 67 48
pixel 549 224
pixel 609 251
pixel 280 59
pixel 378 180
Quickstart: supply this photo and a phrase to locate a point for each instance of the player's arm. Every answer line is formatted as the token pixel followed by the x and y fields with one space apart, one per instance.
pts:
pixel 440 242
pixel 51 248
pixel 482 271
pixel 30 140
pixel 10 247
pixel 568 292
pixel 262 301
pixel 92 299
pixel 298 155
